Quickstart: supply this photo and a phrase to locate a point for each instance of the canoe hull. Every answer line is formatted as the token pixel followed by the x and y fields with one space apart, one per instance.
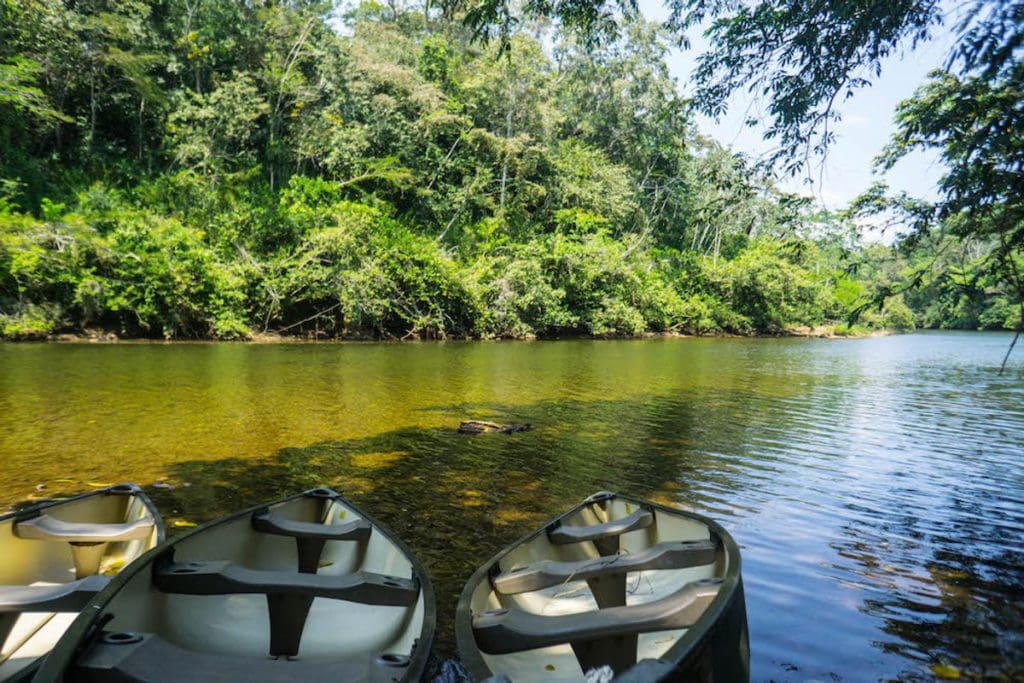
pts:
pixel 547 573
pixel 221 598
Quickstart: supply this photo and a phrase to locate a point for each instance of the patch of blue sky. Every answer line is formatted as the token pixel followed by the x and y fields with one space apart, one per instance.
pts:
pixel 867 122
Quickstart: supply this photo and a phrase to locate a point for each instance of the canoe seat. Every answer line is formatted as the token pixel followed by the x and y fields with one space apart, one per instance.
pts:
pixel 595 636
pixel 60 597
pixel 88 540
pixel 148 657
pixel 226 578
pixel 289 594
pixel 310 537
pixel 46 528
pixel 669 555
pixel 605 536
pixel 268 523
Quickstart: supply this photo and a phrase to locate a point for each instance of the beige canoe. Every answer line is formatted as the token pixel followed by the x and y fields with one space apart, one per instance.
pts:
pixel 308 588
pixel 55 556
pixel 614 585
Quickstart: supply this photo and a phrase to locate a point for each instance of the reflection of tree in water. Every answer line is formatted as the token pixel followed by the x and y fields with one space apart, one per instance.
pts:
pixel 945 573
pixel 457 499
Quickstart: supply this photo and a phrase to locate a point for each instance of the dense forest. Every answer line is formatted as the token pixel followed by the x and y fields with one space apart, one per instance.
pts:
pixel 209 169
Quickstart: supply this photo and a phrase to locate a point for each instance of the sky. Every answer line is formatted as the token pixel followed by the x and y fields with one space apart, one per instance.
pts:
pixel 866 126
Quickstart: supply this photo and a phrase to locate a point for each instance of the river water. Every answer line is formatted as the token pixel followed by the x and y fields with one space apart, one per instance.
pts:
pixel 875 486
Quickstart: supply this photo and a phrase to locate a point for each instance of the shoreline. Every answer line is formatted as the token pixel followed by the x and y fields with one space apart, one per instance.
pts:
pixel 261 338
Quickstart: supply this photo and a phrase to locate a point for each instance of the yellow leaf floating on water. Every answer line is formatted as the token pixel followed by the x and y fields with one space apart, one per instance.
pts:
pixel 112 567
pixel 949 673
pixel 328 563
pixel 181 523
pixel 97 484
pixel 629 509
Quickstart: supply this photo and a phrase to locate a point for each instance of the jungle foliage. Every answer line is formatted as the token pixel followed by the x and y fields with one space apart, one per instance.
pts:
pixel 805 58
pixel 197 168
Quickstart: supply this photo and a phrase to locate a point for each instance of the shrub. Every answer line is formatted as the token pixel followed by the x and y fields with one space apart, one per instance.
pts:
pixel 896 314
pixel 161 276
pixel 367 271
pixel 516 296
pixel 768 285
pixel 29 322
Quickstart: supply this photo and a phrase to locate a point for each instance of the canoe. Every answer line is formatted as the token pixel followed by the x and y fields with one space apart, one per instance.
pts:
pixel 650 592
pixel 308 588
pixel 55 556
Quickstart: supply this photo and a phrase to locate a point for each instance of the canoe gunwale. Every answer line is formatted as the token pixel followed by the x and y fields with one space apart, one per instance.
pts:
pixel 92 618
pixel 689 646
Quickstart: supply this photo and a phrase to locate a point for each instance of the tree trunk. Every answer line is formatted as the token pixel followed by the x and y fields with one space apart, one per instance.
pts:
pixel 504 163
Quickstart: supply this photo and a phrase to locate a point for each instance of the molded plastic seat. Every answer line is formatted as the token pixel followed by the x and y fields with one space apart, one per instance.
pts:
pixel 147 657
pixel 506 631
pixel 289 594
pixel 47 528
pixel 268 523
pixel 225 578
pixel 670 555
pixel 310 537
pixel 563 534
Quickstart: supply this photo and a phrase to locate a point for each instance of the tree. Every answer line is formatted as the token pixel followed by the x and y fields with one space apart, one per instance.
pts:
pixel 805 58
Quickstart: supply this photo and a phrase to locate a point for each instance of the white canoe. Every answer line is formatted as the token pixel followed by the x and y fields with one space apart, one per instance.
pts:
pixel 55 556
pixel 308 588
pixel 651 592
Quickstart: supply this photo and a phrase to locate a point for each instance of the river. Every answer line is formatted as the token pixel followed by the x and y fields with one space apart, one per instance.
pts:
pixel 875 486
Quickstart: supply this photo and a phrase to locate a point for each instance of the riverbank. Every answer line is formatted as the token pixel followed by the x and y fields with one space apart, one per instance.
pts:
pixel 92 336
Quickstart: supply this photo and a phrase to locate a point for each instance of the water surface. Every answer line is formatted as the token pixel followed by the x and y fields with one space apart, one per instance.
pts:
pixel 875 486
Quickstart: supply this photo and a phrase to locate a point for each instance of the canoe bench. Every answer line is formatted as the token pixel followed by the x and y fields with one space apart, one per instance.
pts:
pixel 88 540
pixel 61 597
pixel 547 573
pixel 605 575
pixel 310 537
pixel 126 656
pixel 289 594
pixel 603 636
pixel 605 536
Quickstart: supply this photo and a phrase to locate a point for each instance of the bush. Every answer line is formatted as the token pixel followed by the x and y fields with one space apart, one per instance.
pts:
pixel 516 296
pixel 30 322
pixel 896 315
pixel 768 285
pixel 367 271
pixel 161 276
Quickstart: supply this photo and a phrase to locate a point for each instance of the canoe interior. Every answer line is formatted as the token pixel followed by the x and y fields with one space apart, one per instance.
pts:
pixel 27 636
pixel 239 625
pixel 560 663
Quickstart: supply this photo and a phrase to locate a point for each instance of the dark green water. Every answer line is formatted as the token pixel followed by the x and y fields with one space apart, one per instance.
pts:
pixel 875 486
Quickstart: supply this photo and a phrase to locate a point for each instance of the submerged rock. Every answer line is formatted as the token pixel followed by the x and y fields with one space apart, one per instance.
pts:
pixel 481 427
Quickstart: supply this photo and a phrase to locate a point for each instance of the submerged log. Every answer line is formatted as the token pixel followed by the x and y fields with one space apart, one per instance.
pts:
pixel 481 427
